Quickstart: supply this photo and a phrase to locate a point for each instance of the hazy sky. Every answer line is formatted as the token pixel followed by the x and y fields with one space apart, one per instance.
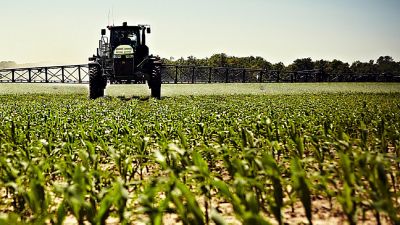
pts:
pixel 58 31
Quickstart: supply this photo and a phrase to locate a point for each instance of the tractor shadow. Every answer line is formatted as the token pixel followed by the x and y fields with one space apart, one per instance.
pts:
pixel 140 98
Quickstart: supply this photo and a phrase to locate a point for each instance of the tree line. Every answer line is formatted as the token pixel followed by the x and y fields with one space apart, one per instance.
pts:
pixel 383 65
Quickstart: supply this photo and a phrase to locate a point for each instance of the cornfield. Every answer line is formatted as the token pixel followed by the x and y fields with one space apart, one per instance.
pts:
pixel 216 159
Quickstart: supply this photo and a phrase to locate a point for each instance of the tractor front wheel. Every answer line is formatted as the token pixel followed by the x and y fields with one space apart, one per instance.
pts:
pixel 155 78
pixel 96 81
pixel 156 91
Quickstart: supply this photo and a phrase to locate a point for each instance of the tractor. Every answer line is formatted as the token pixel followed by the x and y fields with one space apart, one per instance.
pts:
pixel 123 58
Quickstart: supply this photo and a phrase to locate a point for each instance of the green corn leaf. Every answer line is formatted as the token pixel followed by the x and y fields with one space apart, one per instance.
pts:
pixel 301 186
pixel 217 218
pixel 200 163
pixel 191 202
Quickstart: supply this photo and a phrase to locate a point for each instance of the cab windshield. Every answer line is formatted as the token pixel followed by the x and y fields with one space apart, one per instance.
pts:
pixel 124 37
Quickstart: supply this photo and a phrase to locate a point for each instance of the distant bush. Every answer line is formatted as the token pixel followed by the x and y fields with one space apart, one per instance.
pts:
pixel 7 64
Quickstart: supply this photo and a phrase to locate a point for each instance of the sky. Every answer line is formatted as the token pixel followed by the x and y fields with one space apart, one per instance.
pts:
pixel 67 32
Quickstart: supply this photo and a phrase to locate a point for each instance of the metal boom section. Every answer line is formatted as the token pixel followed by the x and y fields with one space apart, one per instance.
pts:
pixel 189 74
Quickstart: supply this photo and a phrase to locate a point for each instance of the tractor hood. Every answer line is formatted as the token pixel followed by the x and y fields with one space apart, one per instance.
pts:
pixel 125 50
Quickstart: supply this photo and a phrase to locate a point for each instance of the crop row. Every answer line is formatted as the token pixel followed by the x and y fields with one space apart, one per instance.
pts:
pixel 187 157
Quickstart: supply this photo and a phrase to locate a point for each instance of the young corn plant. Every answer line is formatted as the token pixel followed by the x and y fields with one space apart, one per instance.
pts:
pixel 272 170
pixel 301 186
pixel 347 197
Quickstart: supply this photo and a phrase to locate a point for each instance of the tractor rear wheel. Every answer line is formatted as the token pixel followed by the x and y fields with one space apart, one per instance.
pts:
pixel 96 81
pixel 155 79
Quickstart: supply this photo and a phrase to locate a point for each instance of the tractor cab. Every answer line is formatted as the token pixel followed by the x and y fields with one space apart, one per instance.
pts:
pixel 128 49
pixel 124 35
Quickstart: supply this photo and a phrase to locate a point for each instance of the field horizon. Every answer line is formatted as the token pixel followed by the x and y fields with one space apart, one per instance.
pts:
pixel 168 90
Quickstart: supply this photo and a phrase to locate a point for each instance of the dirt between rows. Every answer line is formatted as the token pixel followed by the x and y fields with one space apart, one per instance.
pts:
pixel 322 214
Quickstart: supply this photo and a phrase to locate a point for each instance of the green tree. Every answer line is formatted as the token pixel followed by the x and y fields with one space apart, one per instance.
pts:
pixel 321 64
pixel 358 67
pixel 386 64
pixel 278 66
pixel 302 64
pixel 338 67
pixel 191 60
pixel 220 60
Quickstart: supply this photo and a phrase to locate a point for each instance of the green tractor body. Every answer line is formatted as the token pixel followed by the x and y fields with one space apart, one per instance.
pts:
pixel 123 58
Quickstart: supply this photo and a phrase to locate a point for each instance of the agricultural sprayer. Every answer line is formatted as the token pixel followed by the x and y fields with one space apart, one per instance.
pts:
pixel 123 58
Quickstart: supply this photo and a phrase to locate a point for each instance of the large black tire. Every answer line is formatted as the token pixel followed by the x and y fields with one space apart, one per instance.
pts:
pixel 156 92
pixel 96 81
pixel 155 78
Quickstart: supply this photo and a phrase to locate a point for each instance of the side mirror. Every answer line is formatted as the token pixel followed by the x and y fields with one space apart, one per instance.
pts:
pixel 148 30
pixel 103 31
